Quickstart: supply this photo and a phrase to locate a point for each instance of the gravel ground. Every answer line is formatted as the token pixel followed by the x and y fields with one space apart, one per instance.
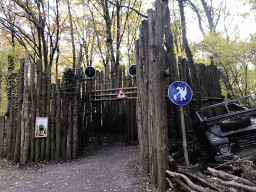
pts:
pixel 112 168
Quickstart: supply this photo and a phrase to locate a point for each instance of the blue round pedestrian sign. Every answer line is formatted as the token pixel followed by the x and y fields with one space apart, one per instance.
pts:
pixel 180 93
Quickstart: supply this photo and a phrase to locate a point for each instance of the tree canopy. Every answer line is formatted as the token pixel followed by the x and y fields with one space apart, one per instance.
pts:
pixel 106 30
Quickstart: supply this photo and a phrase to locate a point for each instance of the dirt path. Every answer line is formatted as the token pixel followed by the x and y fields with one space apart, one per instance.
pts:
pixel 109 169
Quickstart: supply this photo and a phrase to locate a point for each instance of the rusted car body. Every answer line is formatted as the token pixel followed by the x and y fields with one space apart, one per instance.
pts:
pixel 229 128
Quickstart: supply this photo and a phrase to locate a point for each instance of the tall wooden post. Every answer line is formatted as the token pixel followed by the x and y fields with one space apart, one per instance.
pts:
pixel 33 111
pixel 19 109
pixel 25 132
pixel 38 105
pixel 58 123
pixel 157 91
pixel 184 138
pixel 2 125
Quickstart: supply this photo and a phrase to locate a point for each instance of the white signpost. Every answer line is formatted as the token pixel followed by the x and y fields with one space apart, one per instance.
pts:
pixel 180 94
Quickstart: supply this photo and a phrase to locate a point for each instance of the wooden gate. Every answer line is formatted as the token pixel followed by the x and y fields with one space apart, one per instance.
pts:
pixel 111 120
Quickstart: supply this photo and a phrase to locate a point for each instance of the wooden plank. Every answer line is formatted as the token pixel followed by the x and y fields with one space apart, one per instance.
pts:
pixel 113 99
pixel 113 95
pixel 115 89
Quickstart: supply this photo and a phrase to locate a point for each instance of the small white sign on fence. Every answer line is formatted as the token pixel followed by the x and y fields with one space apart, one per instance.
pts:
pixel 41 127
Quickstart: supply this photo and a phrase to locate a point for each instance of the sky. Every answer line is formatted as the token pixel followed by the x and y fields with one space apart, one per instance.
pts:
pixel 246 26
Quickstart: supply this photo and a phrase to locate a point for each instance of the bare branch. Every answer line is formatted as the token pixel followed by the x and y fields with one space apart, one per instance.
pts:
pixel 128 8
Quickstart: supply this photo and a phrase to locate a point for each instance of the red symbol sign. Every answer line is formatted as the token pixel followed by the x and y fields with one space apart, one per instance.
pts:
pixel 121 95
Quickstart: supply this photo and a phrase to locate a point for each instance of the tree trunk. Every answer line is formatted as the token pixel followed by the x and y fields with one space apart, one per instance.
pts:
pixel 186 46
pixel 72 36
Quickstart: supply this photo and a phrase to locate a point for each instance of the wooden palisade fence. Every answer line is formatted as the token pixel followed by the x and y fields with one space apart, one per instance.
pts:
pixel 158 117
pixel 80 113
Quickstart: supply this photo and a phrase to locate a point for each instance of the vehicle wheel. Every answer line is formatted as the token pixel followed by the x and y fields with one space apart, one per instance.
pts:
pixel 237 123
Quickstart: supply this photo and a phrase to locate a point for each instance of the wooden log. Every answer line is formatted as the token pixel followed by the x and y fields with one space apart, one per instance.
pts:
pixel 75 119
pixel 38 105
pixel 189 182
pixel 58 123
pixel 33 111
pixel 53 125
pixel 139 66
pixel 88 110
pixel 152 142
pixel 183 185
pixel 15 92
pixel 230 177
pixel 19 109
pixel 2 126
pixel 43 139
pixel 65 124
pixel 11 129
pixel 7 112
pixel 171 184
pixel 48 114
pixel 93 115
pixel 184 137
pixel 98 109
pixel 83 101
pixel 199 178
pixel 172 162
pixel 26 111
pixel 22 130
pixel 76 107
pixel 238 186
pixel 142 58
pixel 69 133
pixel 156 74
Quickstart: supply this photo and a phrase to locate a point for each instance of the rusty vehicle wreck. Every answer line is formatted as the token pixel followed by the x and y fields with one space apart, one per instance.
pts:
pixel 228 128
